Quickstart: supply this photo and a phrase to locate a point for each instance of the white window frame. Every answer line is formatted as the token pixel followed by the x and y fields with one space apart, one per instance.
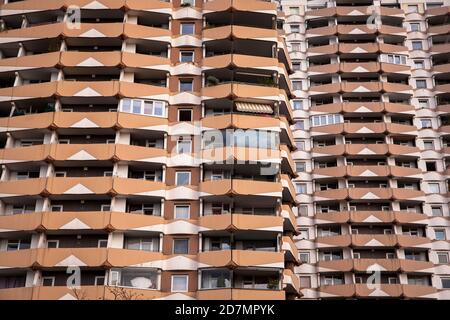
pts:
pixel 187 51
pixel 102 241
pixel 176 178
pixel 179 206
pixel 55 206
pixel 185 24
pixel 53 241
pixel 103 206
pixel 185 276
pixel 52 278
pixel 96 280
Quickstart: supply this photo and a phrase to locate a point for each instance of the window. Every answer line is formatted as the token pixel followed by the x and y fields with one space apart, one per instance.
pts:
pixel 99 281
pixel 423 103
pixel 300 125
pixel 56 208
pixel 434 188
pixel 417 45
pixel 187 28
pixel 301 188
pixel 183 178
pixel 298 104
pixel 105 207
pixel 294 10
pixel 304 257
pixel 333 280
pixel 419 64
pixel 396 59
pixel 300 145
pixel 304 234
pixel 180 283
pixel 295 46
pixel 60 174
pixel 326 119
pixel 296 65
pixel 186 85
pixel 103 243
pixel 442 257
pixel 300 166
pixel 439 234
pixel 415 26
pixel 445 283
pixel 421 84
pixel 428 145
pixel 180 246
pixel 295 28
pixel 303 211
pixel 296 84
pixel 48 281
pixel 107 173
pixel 186 56
pixel 141 244
pixel 184 114
pixel 436 211
pixel 413 8
pixel 188 2
pixel 182 211
pixel 143 107
pixel 52 243
pixel 425 123
pixel 430 165
pixel 305 282
pixel 184 146
pixel 14 245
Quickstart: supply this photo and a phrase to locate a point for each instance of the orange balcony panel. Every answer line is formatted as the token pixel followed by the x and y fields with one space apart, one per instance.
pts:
pixel 335 150
pixel 328 129
pixel 260 188
pixel 136 221
pixel 328 49
pixel 442 29
pixel 46 31
pixel 325 88
pixel 20 222
pixel 370 193
pixel 440 48
pixel 241 258
pixel 358 47
pixel 88 88
pixel 366 149
pixel 136 90
pixel 18 259
pixel 335 266
pixel 291 281
pixel 333 241
pixel 214 294
pixel 364 127
pixel 217 122
pixel 22 293
pixel 24 154
pixel 143 154
pixel 366 216
pixel 124 257
pixel 288 186
pixel 243 91
pixel 64 257
pixel 240 154
pixel 395 68
pixel 22 187
pixel 85 119
pixel 287 160
pixel 443 109
pixel 361 171
pixel 254 122
pixel 290 249
pixel 136 31
pixel 395 149
pixel 84 152
pixel 240 32
pixel 361 86
pixel 406 194
pixel 398 108
pixel 341 291
pixel 444 129
pixel 134 121
pixel 401 128
pixel 239 60
pixel 416 266
pixel 331 194
pixel 337 172
pixel 126 186
pixel 105 30
pixel 80 59
pixel 45 60
pixel 322 31
pixel 29 121
pixel 31 5
pixel 255 294
pixel 437 11
pixel 410 218
pixel 72 220
pixel 397 87
pixel 240 5
pixel 59 292
pixel 221 187
pixel 79 185
pixel 148 5
pixel 413 241
pixel 392 48
pixel 374 240
pixel 38 90
pixel 219 258
pixel 322 12
pixel 332 217
pixel 359 67
pixel 392 30
pixel 238 221
pixel 385 290
pixel 328 108
pixel 290 220
pixel 364 265
pixel 354 29
pixel 363 107
pixel 442 88
pixel 327 68
pixel 418 292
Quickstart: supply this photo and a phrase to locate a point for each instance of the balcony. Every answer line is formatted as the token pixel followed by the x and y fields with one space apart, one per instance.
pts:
pixel 237 221
pixel 290 250
pixel 241 5
pixel 365 265
pixel 241 258
pixel 362 217
pixel 370 127
pixel 240 294
pixel 240 32
pixel 240 187
pixel 363 107
pixel 384 290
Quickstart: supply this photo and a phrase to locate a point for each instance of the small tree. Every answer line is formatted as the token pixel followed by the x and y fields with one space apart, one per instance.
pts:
pixel 120 293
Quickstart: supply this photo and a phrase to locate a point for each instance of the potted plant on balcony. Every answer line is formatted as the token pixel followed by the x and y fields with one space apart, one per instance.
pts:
pixel 212 81
pixel 272 284
pixel 267 82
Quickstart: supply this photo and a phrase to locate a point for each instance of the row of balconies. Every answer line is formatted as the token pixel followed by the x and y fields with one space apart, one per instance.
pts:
pixel 360 48
pixel 370 193
pixel 366 149
pixel 360 86
pixel 351 29
pixel 366 127
pixel 357 67
pixel 372 241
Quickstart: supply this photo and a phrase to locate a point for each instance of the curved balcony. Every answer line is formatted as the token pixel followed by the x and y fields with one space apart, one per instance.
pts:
pixel 241 258
pixel 440 48
pixel 240 5
pixel 237 221
pixel 240 121
pixel 363 107
pixel 92 220
pixel 84 89
pixel 383 291
pixel 240 32
pixel 290 220
pixel 76 186
pixel 373 241
pixel 240 154
pixel 369 127
pixel 370 194
pixel 291 282
pixel 240 187
pixel 240 294
pixel 290 250
pixel 353 11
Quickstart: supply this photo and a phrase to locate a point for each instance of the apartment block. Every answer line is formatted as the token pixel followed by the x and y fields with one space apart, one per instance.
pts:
pixel 371 111
pixel 145 150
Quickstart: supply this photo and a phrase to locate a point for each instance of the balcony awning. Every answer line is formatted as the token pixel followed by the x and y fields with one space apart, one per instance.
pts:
pixel 254 107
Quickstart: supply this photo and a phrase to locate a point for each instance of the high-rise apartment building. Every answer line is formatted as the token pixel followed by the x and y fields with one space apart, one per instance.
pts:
pixel 146 151
pixel 372 88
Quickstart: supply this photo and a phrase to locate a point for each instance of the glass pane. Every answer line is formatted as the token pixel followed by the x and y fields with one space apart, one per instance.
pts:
pixel 148 107
pixel 126 105
pixel 137 106
pixel 158 108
